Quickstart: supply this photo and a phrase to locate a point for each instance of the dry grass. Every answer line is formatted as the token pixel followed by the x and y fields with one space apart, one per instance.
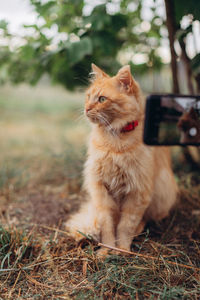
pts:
pixel 42 153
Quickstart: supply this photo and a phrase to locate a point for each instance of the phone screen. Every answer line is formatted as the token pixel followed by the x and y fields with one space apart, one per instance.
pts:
pixel 172 120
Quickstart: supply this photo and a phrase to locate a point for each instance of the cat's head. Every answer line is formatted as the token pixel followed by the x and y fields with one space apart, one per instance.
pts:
pixel 189 125
pixel 112 102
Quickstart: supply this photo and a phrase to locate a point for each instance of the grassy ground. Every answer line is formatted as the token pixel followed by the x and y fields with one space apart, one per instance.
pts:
pixel 42 153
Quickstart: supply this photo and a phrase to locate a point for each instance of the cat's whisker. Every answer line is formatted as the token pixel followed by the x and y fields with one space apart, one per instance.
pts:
pixel 107 123
pixel 79 118
pixel 80 112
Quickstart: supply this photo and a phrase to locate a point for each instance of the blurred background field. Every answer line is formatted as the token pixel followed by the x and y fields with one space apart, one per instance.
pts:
pixel 43 140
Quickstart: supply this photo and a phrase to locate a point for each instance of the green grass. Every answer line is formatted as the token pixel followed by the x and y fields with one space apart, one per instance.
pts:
pixel 40 128
pixel 43 149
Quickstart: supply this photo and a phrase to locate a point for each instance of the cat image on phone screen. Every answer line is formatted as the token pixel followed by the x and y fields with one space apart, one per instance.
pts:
pixel 189 125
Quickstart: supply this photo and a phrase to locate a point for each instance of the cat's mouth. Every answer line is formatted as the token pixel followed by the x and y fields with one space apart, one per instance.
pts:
pixel 92 117
pixel 98 118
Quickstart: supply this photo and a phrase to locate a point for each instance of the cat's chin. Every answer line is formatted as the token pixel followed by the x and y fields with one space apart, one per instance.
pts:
pixel 94 120
pixel 97 121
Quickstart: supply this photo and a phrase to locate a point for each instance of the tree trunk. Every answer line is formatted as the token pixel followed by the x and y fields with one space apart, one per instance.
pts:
pixel 197 78
pixel 171 26
pixel 186 61
pixel 189 152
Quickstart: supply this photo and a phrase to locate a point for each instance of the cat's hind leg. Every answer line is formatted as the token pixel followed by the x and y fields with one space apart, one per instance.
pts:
pixel 164 196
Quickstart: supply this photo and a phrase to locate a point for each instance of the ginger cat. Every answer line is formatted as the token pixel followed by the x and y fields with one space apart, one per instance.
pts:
pixel 128 183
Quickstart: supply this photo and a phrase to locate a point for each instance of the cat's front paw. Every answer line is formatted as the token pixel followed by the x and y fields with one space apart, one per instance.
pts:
pixel 79 230
pixel 73 231
pixel 102 253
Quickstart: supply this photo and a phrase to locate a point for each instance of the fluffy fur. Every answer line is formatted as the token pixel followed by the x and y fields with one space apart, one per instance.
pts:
pixel 128 183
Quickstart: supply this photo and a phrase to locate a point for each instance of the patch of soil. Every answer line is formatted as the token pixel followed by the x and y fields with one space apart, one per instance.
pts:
pixel 41 207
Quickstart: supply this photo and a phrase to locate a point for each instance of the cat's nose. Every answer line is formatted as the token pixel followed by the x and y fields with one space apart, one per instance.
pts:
pixel 87 109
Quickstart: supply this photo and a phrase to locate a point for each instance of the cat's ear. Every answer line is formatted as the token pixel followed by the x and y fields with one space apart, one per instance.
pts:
pixel 97 72
pixel 126 81
pixel 193 114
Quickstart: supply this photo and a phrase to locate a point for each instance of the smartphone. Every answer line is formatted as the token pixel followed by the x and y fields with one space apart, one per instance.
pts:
pixel 172 120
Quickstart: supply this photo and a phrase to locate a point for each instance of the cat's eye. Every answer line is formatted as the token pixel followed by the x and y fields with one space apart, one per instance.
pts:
pixel 102 99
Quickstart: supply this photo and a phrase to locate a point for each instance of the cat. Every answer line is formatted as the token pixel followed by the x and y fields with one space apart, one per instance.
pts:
pixel 189 125
pixel 128 183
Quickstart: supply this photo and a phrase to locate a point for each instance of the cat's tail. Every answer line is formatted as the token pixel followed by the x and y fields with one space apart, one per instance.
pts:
pixel 84 223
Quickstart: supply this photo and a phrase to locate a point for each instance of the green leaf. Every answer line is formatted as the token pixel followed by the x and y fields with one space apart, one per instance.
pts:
pixel 78 50
pixel 99 18
pixel 195 64
pixel 181 33
pixel 186 7
pixel 3 24
pixel 118 21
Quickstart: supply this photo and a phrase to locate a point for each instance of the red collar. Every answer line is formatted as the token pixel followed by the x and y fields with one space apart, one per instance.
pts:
pixel 130 126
